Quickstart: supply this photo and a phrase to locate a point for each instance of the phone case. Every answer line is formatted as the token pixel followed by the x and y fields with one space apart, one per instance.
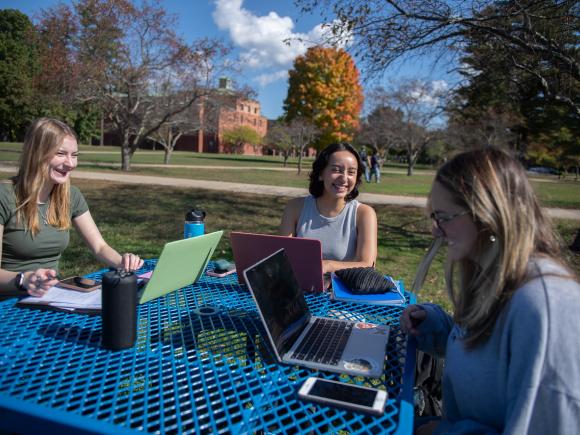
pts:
pixel 77 288
pixel 220 275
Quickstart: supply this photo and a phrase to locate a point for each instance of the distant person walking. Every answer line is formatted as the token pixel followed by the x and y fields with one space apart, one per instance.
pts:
pixel 364 157
pixel 376 166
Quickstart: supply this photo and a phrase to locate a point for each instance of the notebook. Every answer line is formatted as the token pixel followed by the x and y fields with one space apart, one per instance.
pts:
pixel 304 254
pixel 298 338
pixel 181 263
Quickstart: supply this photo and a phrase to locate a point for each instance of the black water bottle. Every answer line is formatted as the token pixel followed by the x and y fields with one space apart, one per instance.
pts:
pixel 119 310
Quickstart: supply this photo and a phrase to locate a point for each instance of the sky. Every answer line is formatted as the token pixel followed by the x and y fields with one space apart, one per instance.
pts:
pixel 256 29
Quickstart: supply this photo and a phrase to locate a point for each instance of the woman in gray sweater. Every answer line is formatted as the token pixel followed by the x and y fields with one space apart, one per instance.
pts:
pixel 511 347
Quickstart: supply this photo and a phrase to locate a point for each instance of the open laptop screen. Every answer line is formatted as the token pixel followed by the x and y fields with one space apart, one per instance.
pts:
pixel 279 299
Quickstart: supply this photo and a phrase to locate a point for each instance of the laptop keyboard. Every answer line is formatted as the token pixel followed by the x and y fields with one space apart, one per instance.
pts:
pixel 325 342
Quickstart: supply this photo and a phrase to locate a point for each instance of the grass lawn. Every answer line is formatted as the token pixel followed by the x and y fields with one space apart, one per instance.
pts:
pixel 142 222
pixel 394 181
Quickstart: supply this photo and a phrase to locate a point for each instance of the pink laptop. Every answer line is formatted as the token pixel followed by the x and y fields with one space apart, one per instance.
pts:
pixel 305 256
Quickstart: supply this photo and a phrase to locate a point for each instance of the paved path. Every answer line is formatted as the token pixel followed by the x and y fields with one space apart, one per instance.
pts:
pixel 369 198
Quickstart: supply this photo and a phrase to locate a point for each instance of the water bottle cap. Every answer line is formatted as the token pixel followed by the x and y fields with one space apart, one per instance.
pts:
pixel 195 215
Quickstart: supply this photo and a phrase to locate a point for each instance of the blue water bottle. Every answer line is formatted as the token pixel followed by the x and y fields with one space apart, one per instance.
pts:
pixel 194 225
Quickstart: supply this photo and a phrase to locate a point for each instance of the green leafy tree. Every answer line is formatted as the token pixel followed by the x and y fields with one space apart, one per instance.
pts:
pixel 529 97
pixel 529 34
pixel 18 61
pixel 238 136
pixel 324 89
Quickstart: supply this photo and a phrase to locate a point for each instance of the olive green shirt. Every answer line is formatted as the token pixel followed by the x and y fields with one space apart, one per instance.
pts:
pixel 20 250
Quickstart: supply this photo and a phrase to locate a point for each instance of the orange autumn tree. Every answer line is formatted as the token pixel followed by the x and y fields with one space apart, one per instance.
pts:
pixel 324 89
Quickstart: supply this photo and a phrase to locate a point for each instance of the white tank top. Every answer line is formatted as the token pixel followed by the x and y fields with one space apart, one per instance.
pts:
pixel 337 234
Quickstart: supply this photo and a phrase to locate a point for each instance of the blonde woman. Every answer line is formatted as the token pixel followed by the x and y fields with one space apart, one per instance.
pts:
pixel 511 347
pixel 38 207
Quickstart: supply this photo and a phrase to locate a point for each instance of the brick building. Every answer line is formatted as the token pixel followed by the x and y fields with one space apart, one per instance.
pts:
pixel 212 116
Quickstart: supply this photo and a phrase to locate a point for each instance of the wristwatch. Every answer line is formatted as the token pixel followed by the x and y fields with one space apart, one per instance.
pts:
pixel 19 281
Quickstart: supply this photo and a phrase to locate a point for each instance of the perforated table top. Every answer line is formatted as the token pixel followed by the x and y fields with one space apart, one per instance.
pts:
pixel 201 364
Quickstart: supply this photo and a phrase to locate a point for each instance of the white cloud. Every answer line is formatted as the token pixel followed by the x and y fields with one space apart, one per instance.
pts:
pixel 439 86
pixel 267 40
pixel 266 79
pixel 430 94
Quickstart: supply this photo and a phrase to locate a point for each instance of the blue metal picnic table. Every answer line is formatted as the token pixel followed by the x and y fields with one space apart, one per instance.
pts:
pixel 201 364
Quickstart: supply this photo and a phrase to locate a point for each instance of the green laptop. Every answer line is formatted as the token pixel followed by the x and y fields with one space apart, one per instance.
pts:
pixel 180 264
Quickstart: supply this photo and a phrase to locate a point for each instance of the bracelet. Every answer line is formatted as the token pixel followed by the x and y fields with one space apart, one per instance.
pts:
pixel 19 281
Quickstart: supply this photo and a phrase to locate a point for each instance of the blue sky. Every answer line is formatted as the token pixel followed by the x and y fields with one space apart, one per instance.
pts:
pixel 256 29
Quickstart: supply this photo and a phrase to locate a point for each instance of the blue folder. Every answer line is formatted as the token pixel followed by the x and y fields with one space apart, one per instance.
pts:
pixel 342 293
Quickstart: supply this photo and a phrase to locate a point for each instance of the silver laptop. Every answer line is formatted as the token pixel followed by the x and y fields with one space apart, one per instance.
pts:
pixel 298 338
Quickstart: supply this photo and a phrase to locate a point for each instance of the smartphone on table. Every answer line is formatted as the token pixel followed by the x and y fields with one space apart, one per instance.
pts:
pixel 79 284
pixel 222 268
pixel 343 395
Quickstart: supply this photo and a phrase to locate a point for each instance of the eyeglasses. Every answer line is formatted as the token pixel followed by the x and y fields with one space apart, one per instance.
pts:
pixel 445 219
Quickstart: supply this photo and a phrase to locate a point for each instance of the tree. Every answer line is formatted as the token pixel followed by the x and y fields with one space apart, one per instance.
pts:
pixel 130 56
pixel 508 102
pixel 490 127
pixel 302 133
pixel 18 62
pixel 378 129
pixel 530 33
pixel 324 89
pixel 416 105
pixel 238 136
pixel 278 137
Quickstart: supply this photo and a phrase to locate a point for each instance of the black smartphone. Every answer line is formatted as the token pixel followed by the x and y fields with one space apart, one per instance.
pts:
pixel 79 283
pixel 343 395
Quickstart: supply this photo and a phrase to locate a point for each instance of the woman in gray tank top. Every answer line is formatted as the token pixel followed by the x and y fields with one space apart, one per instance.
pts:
pixel 346 228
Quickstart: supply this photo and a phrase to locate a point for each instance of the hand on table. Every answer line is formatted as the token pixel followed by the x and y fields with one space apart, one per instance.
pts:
pixel 411 318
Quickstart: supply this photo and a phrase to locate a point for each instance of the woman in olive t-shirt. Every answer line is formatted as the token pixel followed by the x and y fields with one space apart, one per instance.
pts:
pixel 38 208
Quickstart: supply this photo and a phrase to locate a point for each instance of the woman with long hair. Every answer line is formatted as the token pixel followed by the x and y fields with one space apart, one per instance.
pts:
pixel 511 346
pixel 331 214
pixel 38 207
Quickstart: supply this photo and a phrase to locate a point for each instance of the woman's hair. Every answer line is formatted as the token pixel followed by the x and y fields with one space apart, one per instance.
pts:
pixel 42 141
pixel 512 228
pixel 316 187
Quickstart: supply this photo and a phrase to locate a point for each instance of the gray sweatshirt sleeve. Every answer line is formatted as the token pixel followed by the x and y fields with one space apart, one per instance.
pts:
pixel 434 330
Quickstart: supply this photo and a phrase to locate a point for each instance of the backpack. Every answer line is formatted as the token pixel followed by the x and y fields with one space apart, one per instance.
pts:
pixel 427 391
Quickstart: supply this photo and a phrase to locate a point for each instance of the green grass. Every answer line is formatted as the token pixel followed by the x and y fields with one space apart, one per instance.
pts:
pixel 394 181
pixel 142 222
pixel 10 152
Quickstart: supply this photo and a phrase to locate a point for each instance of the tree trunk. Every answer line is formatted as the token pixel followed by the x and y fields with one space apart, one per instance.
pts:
pixel 126 153
pixel 102 138
pixel 285 159
pixel 410 163
pixel 167 156
pixel 300 161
